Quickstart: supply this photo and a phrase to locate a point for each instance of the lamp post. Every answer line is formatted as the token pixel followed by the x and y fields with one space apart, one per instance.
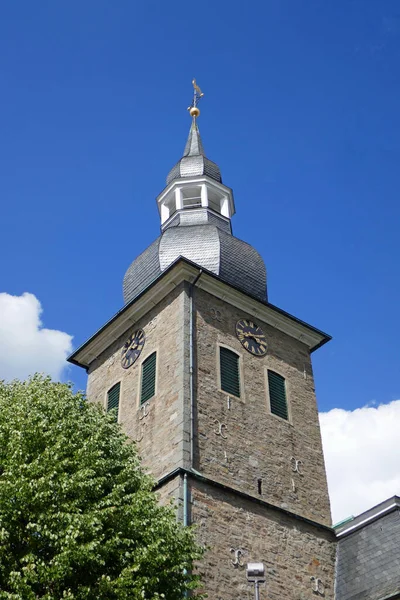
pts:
pixel 255 573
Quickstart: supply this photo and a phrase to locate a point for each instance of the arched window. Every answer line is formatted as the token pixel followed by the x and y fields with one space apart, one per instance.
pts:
pixel 229 371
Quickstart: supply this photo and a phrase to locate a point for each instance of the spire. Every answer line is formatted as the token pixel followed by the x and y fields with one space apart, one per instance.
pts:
pixel 194 192
pixel 194 145
pixel 194 161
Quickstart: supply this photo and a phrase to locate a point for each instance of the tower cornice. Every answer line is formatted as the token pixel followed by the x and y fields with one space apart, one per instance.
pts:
pixel 178 272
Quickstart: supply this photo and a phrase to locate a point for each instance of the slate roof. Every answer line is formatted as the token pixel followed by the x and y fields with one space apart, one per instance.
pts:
pixel 233 260
pixel 142 272
pixel 194 161
pixel 200 235
pixel 368 554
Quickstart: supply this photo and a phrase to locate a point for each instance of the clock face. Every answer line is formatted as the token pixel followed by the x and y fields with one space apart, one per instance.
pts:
pixel 251 337
pixel 132 348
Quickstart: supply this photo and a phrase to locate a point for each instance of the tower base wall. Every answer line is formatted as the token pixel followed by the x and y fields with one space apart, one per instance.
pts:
pixel 299 556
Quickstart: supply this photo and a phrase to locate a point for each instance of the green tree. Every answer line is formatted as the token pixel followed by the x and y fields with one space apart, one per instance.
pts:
pixel 78 518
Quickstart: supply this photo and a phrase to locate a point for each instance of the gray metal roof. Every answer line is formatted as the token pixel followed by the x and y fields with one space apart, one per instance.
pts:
pixel 233 260
pixel 194 161
pixel 198 216
pixel 368 555
pixel 143 271
pixel 200 235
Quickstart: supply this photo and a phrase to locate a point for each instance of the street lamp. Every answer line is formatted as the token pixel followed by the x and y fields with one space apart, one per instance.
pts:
pixel 255 573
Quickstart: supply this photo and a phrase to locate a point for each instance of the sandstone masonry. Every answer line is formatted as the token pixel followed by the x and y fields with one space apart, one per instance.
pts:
pixel 244 494
pixel 258 444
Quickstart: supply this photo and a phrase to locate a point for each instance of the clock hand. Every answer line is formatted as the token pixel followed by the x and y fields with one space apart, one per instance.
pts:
pixel 252 335
pixel 132 348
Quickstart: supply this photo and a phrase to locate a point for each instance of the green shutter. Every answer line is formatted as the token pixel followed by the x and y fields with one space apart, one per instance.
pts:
pixel 229 364
pixel 113 398
pixel 277 395
pixel 148 378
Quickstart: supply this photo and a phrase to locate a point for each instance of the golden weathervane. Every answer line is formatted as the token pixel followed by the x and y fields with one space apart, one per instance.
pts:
pixel 197 95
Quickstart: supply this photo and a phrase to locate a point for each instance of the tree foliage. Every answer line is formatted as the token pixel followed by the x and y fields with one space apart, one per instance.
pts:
pixel 78 518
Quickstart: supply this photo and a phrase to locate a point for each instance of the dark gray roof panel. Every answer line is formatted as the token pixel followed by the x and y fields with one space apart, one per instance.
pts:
pixel 174 173
pixel 198 216
pixel 194 166
pixel 218 221
pixel 194 161
pixel 142 272
pixel 212 170
pixel 368 561
pixel 194 145
pixel 197 243
pixel 234 261
pixel 242 266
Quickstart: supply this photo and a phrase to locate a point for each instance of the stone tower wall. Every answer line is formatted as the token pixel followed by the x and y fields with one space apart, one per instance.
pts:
pixel 257 448
pixel 299 558
pixel 255 445
pixel 158 427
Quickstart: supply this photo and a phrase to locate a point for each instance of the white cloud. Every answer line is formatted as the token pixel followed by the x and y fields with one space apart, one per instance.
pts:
pixel 361 456
pixel 25 346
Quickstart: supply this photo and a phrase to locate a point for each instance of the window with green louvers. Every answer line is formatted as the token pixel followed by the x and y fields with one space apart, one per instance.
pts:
pixel 148 378
pixel 277 395
pixel 113 398
pixel 229 368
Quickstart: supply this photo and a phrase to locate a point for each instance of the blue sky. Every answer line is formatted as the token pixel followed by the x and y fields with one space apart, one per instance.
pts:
pixel 301 112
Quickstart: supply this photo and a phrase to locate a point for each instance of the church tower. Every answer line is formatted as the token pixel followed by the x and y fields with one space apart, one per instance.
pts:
pixel 215 385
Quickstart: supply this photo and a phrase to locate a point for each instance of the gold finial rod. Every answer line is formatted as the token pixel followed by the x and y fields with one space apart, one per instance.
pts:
pixel 197 95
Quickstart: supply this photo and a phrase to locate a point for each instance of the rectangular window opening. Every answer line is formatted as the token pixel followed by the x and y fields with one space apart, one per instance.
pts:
pixel 277 395
pixel 229 369
pixel 191 197
pixel 148 378
pixel 113 398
